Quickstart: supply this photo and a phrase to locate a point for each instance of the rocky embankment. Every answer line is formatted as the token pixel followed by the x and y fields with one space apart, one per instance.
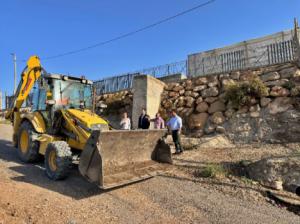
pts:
pixel 205 108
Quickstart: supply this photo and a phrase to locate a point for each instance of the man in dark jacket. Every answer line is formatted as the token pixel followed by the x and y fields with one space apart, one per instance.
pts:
pixel 144 120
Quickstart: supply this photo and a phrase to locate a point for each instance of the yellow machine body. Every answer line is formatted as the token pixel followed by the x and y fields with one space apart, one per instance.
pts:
pixel 62 115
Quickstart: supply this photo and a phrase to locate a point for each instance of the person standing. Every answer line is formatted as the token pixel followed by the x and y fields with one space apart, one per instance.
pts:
pixel 125 122
pixel 144 120
pixel 159 123
pixel 175 125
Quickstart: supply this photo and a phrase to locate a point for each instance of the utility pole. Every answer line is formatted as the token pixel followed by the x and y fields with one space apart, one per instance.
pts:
pixel 5 100
pixel 15 71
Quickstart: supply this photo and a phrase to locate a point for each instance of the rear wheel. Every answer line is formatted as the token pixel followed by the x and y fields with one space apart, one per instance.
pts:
pixel 58 160
pixel 28 149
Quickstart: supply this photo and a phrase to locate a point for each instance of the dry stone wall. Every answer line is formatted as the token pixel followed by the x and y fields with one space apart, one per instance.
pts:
pixel 203 105
pixel 117 103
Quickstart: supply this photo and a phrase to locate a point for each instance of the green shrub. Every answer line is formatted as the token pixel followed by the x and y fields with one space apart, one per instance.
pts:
pixel 211 170
pixel 241 93
pixel 246 180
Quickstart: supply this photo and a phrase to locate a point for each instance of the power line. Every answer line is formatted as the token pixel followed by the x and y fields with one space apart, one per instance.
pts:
pixel 130 33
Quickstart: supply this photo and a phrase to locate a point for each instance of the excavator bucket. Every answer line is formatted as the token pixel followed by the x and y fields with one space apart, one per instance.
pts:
pixel 119 157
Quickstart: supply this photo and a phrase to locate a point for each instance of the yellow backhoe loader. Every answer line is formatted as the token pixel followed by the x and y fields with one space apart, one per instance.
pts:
pixel 62 128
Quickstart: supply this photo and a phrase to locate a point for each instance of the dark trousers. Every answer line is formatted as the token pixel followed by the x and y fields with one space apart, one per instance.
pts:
pixel 177 140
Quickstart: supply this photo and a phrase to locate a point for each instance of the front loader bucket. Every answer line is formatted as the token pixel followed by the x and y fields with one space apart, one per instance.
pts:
pixel 115 158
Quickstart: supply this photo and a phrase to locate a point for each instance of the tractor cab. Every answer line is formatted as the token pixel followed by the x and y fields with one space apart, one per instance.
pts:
pixel 54 93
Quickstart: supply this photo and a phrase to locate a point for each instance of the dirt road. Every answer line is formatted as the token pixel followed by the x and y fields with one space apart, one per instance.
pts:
pixel 28 196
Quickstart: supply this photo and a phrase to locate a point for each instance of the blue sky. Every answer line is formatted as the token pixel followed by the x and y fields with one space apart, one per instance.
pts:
pixel 50 27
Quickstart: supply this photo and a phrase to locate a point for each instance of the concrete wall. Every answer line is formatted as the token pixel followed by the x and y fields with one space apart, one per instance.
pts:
pixel 146 94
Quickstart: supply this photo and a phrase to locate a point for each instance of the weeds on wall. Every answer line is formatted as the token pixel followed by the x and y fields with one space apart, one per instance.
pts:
pixel 289 85
pixel 241 93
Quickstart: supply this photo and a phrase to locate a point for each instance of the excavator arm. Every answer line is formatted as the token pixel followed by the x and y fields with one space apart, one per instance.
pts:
pixel 30 75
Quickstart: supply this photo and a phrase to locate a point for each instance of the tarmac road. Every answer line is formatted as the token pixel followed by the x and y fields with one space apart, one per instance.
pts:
pixel 28 196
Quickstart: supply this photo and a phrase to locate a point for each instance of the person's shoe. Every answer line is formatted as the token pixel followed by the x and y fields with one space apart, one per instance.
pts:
pixel 177 152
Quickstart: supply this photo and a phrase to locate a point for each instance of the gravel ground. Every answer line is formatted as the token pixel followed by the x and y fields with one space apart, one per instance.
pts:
pixel 27 196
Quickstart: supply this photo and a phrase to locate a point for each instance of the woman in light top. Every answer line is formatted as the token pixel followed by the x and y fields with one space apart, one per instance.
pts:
pixel 125 122
pixel 159 123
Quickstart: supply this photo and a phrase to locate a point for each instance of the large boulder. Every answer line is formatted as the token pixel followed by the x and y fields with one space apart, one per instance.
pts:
pixel 216 107
pixel 211 99
pixel 270 76
pixel 265 101
pixel 213 81
pixel 254 108
pixel 186 112
pixel 202 107
pixel 199 100
pixel 280 82
pixel 289 72
pixel 224 76
pixel 268 171
pixel 210 127
pixel 235 75
pixel 180 102
pixel 197 121
pixel 194 94
pixel 199 88
pixel 201 81
pixel 227 82
pixel 188 93
pixel 167 104
pixel 181 92
pixel 218 118
pixel 188 84
pixel 178 88
pixel 280 104
pixel 171 86
pixel 173 94
pixel 247 75
pixel 279 91
pixel 189 101
pixel 213 91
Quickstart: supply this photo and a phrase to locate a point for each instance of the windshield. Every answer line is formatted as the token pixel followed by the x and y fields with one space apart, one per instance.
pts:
pixel 71 94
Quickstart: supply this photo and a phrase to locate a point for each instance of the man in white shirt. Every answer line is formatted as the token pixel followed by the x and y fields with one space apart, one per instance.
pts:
pixel 175 126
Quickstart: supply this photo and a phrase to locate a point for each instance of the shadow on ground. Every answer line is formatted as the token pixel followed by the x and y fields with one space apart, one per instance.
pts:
pixel 74 186
pixel 232 168
pixel 213 182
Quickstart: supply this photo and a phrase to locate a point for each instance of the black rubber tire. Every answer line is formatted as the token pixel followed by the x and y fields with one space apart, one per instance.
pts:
pixel 63 160
pixel 32 153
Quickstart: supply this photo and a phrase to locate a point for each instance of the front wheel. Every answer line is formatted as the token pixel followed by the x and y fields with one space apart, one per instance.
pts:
pixel 58 159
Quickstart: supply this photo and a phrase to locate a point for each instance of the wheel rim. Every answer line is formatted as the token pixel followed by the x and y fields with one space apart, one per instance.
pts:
pixel 24 141
pixel 52 160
